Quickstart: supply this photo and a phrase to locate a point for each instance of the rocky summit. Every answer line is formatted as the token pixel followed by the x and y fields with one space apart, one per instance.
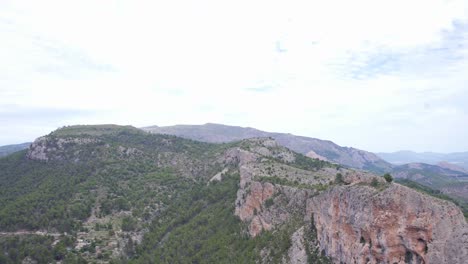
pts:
pixel 112 194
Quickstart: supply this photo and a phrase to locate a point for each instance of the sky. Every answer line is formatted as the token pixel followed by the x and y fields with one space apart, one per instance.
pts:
pixel 371 74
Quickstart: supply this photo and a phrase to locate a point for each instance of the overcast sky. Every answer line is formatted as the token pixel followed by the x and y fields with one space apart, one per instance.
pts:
pixel 376 75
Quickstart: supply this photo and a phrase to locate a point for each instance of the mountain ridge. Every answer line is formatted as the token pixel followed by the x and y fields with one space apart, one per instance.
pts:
pixel 407 156
pixel 445 178
pixel 211 132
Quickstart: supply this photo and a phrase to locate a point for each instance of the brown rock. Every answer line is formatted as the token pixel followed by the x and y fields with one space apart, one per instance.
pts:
pixel 357 224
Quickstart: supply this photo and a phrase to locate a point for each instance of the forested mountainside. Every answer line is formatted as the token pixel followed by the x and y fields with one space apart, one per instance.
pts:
pixel 112 194
pixel 313 147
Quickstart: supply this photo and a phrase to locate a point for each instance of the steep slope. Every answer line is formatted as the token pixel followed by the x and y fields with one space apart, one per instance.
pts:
pixel 117 194
pixel 312 147
pixel 357 217
pixel 8 149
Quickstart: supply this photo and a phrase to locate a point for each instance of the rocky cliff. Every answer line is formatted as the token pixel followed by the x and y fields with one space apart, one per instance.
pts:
pixel 363 219
pixel 358 224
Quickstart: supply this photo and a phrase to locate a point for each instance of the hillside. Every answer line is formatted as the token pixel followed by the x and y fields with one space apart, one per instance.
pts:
pixel 8 149
pixel 453 183
pixel 459 159
pixel 312 147
pixel 117 194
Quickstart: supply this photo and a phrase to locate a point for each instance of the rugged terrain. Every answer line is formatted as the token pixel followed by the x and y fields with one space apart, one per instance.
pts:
pixel 459 159
pixel 442 177
pixel 117 194
pixel 315 148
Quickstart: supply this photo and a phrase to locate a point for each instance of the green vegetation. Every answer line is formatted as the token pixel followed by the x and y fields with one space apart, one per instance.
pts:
pixel 128 182
pixel 94 130
pixel 306 163
pixel 201 228
pixel 388 177
pixel 339 179
pixel 40 248
pixel 313 254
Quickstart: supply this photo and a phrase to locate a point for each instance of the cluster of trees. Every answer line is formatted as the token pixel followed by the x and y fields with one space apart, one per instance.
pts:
pixel 14 249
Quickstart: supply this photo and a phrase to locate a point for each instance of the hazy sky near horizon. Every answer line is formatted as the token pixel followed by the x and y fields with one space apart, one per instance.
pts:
pixel 375 75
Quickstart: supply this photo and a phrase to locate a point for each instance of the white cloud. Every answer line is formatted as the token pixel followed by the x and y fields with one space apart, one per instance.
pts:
pixel 358 72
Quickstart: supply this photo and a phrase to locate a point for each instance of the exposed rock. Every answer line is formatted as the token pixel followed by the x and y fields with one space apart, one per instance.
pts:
pixel 28 260
pixel 297 254
pixel 249 203
pixel 38 150
pixel 313 155
pixel 364 221
pixel 219 175
pixel 357 224
pixel 49 148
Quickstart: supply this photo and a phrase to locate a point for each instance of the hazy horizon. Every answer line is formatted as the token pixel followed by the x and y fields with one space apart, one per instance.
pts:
pixel 378 76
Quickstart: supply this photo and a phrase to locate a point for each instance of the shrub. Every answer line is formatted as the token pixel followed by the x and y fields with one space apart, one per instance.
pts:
pixel 128 224
pixel 388 177
pixel 339 178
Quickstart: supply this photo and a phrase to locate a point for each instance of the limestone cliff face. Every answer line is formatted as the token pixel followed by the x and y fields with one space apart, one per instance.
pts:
pixel 358 224
pixel 364 220
pixel 47 148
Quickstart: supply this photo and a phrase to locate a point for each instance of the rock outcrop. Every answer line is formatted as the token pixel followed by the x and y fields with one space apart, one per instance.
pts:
pixel 363 219
pixel 358 224
pixel 47 148
pixel 297 254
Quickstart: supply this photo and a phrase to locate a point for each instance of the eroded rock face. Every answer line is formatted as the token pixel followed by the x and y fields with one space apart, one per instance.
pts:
pixel 256 195
pixel 357 224
pixel 297 254
pixel 46 148
pixel 362 220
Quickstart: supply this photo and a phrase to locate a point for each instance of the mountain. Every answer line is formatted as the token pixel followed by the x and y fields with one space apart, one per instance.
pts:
pixel 311 147
pixel 443 177
pixel 433 174
pixel 451 166
pixel 8 149
pixel 402 157
pixel 116 194
pixel 453 183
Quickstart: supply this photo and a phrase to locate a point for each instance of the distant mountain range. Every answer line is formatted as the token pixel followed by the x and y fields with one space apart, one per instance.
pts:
pixel 8 149
pixel 402 157
pixel 312 147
